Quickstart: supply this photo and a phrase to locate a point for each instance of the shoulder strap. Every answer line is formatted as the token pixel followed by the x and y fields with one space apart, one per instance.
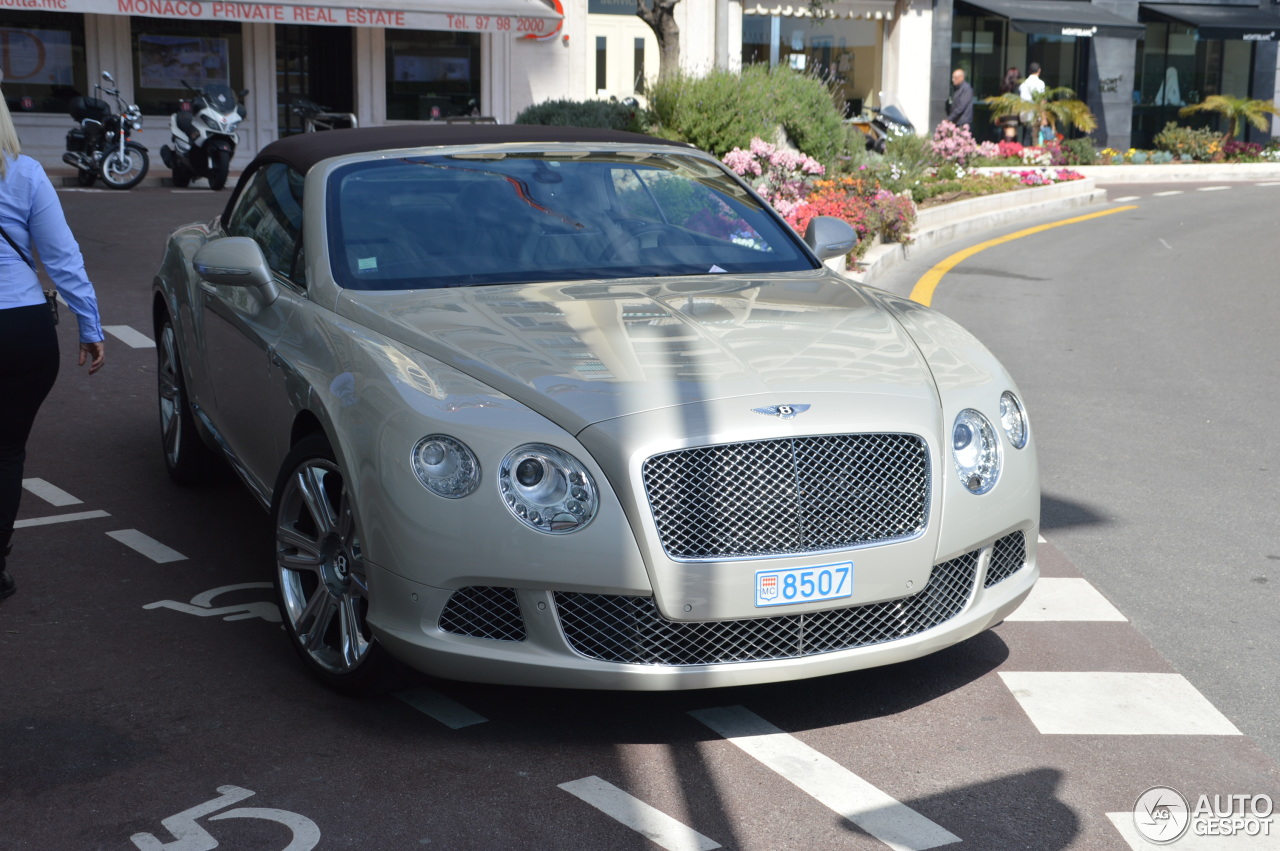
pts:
pixel 9 240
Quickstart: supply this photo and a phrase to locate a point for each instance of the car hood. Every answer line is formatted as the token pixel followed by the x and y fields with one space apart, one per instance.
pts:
pixel 588 352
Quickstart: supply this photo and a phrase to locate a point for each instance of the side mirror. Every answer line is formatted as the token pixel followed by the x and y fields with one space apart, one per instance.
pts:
pixel 830 237
pixel 236 261
pixel 106 75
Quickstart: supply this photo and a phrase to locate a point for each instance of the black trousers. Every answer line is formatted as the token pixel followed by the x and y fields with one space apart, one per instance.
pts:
pixel 28 368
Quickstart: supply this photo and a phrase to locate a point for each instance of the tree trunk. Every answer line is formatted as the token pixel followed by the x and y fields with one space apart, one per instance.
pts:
pixel 660 16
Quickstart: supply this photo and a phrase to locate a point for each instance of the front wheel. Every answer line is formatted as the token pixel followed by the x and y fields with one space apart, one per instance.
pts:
pixel 219 165
pixel 320 572
pixel 125 169
pixel 186 457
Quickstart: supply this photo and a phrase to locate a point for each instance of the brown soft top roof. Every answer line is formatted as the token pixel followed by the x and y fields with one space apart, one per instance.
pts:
pixel 304 150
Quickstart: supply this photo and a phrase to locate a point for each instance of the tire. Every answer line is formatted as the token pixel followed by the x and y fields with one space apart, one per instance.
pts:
pixel 186 457
pixel 219 166
pixel 125 170
pixel 320 581
pixel 84 177
pixel 181 178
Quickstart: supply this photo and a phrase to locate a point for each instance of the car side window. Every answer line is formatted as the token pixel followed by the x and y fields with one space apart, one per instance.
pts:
pixel 269 211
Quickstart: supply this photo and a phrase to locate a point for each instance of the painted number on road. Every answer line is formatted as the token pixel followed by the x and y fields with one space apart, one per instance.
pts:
pixel 188 835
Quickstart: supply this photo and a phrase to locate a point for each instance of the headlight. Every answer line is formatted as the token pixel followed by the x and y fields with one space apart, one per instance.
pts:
pixel 445 466
pixel 211 122
pixel 976 450
pixel 547 489
pixel 1014 419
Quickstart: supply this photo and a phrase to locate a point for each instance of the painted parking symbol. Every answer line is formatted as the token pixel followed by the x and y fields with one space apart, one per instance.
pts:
pixel 202 605
pixel 189 835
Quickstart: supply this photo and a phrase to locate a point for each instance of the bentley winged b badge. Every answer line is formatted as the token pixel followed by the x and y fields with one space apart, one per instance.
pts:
pixel 786 412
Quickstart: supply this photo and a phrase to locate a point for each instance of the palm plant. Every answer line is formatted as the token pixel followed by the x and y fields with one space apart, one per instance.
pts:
pixel 1056 107
pixel 1237 110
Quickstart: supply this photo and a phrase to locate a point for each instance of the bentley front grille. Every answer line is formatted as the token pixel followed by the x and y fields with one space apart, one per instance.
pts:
pixel 784 497
pixel 616 628
pixel 1007 556
pixel 481 611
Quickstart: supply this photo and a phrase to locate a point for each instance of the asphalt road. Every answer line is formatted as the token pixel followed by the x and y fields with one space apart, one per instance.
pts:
pixel 147 696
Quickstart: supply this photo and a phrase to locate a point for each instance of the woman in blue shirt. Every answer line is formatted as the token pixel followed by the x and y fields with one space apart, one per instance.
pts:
pixel 31 217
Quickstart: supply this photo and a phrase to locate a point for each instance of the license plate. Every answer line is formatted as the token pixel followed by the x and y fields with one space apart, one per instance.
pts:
pixel 804 584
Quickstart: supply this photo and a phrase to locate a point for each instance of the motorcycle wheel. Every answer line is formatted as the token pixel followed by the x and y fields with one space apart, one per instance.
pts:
pixel 125 170
pixel 84 177
pixel 219 165
pixel 181 178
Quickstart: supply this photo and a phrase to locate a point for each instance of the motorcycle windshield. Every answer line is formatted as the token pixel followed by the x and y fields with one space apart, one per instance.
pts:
pixel 220 98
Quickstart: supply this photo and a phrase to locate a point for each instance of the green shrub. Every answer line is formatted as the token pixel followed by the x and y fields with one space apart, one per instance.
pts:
pixel 1080 151
pixel 908 157
pixel 1198 144
pixel 608 115
pixel 723 111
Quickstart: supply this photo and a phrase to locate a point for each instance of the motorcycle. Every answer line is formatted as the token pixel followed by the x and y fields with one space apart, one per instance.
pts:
pixel 100 146
pixel 203 132
pixel 316 117
pixel 878 124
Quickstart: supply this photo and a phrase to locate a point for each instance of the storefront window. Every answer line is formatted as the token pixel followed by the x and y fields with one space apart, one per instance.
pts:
pixel 841 51
pixel 42 54
pixel 1175 68
pixel 168 52
pixel 432 75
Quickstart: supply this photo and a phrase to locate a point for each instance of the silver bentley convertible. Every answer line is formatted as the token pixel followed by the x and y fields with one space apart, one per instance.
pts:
pixel 576 408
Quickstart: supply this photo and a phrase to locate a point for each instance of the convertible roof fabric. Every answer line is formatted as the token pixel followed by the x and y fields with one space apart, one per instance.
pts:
pixel 304 150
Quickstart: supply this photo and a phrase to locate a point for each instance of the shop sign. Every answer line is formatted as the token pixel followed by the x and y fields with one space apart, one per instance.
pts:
pixel 1081 32
pixel 1268 36
pixel 296 13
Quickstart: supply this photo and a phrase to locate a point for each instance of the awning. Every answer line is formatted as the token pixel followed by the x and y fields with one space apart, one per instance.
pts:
pixel 1221 22
pixel 833 10
pixel 515 18
pixel 1061 17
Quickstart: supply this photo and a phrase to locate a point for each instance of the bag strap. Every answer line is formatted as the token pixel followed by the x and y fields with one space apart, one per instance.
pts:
pixel 9 240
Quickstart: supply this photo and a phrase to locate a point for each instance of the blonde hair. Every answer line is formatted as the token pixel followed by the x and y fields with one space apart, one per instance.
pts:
pixel 10 147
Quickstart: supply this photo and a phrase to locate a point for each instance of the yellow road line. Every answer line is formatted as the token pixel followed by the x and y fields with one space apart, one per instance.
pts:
pixel 922 292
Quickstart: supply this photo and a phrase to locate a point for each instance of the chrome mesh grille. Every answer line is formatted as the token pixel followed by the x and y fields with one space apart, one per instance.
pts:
pixel 1007 556
pixel 482 611
pixel 774 497
pixel 615 628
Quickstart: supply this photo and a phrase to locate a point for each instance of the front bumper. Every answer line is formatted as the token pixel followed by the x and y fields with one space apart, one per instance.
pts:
pixel 543 644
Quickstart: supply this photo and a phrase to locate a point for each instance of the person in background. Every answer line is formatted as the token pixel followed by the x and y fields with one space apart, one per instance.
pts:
pixel 960 105
pixel 1030 87
pixel 1008 86
pixel 31 218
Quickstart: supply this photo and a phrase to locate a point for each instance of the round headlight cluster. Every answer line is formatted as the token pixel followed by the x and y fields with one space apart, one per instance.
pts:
pixel 547 489
pixel 445 466
pixel 1014 419
pixel 976 450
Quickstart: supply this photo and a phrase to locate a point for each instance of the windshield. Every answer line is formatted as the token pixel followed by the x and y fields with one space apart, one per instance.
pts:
pixel 498 218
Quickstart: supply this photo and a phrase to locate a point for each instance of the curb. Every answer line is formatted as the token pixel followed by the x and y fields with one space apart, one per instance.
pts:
pixel 938 225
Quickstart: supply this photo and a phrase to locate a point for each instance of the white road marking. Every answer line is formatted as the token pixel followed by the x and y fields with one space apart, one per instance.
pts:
pixel 148 546
pixel 59 518
pixel 1269 183
pixel 1041 539
pixel 1190 841
pixel 201 605
pixel 1127 198
pixel 1211 188
pixel 50 494
pixel 652 824
pixel 1167 193
pixel 1115 704
pixel 447 711
pixel 128 336
pixel 1056 599
pixel 828 782
pixel 1165 244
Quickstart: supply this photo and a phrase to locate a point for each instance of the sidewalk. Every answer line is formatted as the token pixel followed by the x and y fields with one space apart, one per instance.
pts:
pixel 64 176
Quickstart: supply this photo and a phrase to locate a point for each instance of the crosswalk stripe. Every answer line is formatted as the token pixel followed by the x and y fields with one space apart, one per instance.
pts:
pixel 1098 703
pixel 1126 199
pixel 828 782
pixel 49 493
pixel 1191 841
pixel 1065 599
pixel 59 518
pixel 147 546
pixel 128 336
pixel 447 711
pixel 1211 188
pixel 653 824
pixel 1168 193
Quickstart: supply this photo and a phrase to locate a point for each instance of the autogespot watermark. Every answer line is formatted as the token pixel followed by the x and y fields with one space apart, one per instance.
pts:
pixel 1162 816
